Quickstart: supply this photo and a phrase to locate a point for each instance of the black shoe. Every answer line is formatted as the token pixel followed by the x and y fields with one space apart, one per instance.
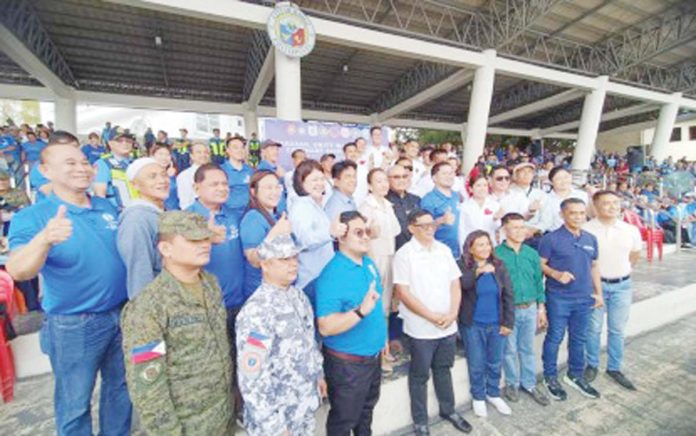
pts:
pixel 421 430
pixel 458 422
pixel 511 393
pixel 621 379
pixel 590 373
pixel 537 396
pixel 581 385
pixel 555 389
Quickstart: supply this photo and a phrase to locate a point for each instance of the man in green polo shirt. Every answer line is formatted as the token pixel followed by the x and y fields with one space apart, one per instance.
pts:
pixel 524 266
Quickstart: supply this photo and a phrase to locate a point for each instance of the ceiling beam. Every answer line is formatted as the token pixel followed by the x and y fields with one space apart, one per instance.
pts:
pixel 609 116
pixel 554 100
pixel 260 67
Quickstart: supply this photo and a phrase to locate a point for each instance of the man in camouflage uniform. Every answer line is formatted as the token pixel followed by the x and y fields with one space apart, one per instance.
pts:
pixel 175 341
pixel 279 364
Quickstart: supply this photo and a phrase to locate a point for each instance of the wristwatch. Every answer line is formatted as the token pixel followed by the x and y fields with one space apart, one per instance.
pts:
pixel 358 312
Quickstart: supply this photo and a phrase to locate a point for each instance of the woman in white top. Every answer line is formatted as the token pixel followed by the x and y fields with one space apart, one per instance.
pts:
pixel 384 227
pixel 480 211
pixel 562 182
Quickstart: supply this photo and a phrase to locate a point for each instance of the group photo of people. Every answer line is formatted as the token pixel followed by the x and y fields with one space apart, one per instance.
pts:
pixel 208 289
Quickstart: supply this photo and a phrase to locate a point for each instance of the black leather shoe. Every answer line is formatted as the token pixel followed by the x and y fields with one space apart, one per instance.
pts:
pixel 621 379
pixel 421 430
pixel 458 422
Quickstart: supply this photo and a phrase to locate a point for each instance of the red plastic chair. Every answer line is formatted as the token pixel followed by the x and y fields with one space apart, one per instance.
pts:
pixel 652 236
pixel 7 370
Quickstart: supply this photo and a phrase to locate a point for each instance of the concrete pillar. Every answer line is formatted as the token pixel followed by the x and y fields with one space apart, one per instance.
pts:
pixel 251 123
pixel 66 114
pixel 587 134
pixel 288 87
pixel 474 138
pixel 663 130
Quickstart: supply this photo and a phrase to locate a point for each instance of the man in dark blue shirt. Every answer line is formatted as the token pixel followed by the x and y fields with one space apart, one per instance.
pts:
pixel 349 309
pixel 573 288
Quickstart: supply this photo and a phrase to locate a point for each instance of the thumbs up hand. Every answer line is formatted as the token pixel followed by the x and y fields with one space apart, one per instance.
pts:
pixel 59 228
pixel 281 227
pixel 220 231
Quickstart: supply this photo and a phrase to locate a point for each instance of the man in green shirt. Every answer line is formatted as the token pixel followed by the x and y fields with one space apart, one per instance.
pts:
pixel 524 266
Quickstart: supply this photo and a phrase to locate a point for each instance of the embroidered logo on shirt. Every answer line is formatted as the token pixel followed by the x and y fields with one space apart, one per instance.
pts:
pixel 259 340
pixel 111 222
pixel 234 233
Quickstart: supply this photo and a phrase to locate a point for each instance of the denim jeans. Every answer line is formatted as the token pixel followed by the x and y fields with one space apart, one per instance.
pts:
pixel 426 355
pixel 617 305
pixel 79 347
pixel 519 362
pixel 484 355
pixel 573 314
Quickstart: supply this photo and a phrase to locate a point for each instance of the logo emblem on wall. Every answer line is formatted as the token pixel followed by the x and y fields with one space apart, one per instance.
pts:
pixel 290 30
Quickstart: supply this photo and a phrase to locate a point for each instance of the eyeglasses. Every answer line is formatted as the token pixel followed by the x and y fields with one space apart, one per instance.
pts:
pixel 501 178
pixel 362 233
pixel 407 167
pixel 401 177
pixel 425 226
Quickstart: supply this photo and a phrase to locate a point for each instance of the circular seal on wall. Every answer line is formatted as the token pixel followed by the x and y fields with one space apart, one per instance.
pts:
pixel 290 30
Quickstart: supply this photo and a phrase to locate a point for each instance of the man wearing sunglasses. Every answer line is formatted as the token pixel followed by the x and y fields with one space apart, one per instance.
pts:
pixel 511 201
pixel 350 317
pixel 404 202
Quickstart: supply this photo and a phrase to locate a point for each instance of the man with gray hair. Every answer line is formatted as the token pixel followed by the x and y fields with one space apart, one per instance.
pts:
pixel 280 371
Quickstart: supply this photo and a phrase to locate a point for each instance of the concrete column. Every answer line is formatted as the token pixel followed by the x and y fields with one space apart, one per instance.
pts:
pixel 251 123
pixel 288 87
pixel 474 138
pixel 66 114
pixel 587 134
pixel 663 130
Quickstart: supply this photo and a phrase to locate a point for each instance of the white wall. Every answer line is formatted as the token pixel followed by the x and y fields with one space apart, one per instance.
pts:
pixel 677 150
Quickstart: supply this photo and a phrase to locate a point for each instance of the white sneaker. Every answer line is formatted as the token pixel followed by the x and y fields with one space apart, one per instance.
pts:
pixel 480 408
pixel 500 405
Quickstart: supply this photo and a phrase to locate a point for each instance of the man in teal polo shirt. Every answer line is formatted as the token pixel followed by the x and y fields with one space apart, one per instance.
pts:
pixel 349 309
pixel 238 175
pixel 70 238
pixel 524 265
pixel 443 203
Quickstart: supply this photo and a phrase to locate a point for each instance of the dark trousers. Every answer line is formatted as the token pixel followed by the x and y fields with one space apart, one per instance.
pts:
pixel 30 290
pixel 232 313
pixel 353 392
pixel 426 355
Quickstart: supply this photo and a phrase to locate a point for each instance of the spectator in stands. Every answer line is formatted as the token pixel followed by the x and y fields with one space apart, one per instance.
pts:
pixel 238 175
pixel 93 149
pixel 313 230
pixel 443 204
pixel 561 181
pixel 149 139
pixel 480 211
pixel 270 151
pixel 11 200
pixel 199 156
pixel 427 285
pixel 31 149
pixel 619 245
pixel 181 150
pixel 344 177
pixel 569 261
pixel 70 238
pixel 162 154
pixel 384 227
pixel 261 221
pixel 524 266
pixel 217 147
pixel 111 182
pixel 487 317
pixel 349 308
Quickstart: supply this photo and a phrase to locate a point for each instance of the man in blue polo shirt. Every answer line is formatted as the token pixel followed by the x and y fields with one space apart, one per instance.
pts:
pixel 238 175
pixel 226 256
pixel 443 204
pixel 270 152
pixel 70 238
pixel 344 174
pixel 350 316
pixel 573 288
pixel 31 149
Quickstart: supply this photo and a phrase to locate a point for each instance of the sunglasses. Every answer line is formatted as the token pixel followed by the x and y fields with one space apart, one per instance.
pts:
pixel 401 177
pixel 501 178
pixel 426 226
pixel 407 167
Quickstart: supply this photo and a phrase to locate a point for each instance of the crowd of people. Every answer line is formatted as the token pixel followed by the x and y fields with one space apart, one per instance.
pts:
pixel 206 284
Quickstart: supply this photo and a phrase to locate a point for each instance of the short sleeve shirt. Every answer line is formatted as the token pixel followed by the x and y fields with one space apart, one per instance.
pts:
pixel 575 254
pixel 437 203
pixel 428 272
pixel 341 287
pixel 253 230
pixel 616 242
pixel 238 181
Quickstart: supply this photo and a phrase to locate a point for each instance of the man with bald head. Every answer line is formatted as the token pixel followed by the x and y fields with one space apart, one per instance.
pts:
pixel 70 238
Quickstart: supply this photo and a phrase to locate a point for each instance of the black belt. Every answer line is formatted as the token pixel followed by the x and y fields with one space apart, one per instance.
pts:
pixel 614 281
pixel 351 357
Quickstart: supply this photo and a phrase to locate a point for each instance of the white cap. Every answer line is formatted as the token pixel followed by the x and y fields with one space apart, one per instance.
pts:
pixel 137 165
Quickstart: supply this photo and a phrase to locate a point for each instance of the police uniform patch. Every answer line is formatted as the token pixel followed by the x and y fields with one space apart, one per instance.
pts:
pixel 151 372
pixel 250 362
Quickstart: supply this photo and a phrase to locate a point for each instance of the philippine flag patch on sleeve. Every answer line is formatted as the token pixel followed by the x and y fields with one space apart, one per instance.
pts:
pixel 149 351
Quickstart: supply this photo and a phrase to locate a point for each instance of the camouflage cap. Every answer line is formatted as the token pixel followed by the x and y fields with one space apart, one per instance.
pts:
pixel 190 225
pixel 280 247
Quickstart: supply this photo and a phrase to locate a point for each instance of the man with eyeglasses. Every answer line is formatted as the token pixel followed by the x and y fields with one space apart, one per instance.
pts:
pixel 403 201
pixel 350 317
pixel 427 284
